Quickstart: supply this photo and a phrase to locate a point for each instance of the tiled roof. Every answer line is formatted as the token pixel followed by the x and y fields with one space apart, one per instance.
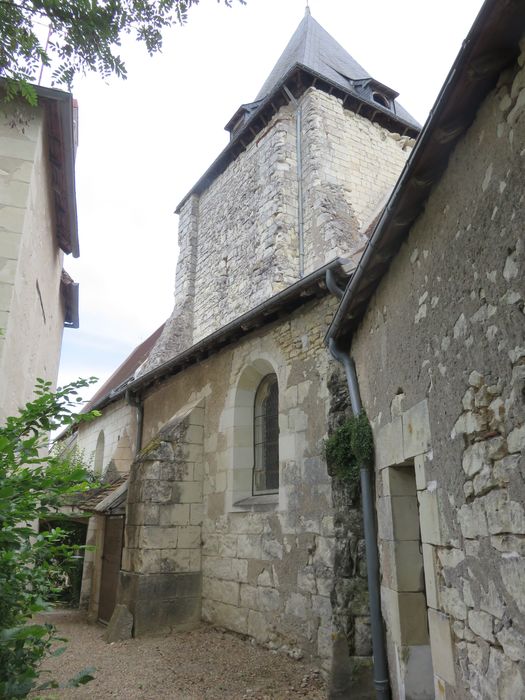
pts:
pixel 126 371
pixel 89 500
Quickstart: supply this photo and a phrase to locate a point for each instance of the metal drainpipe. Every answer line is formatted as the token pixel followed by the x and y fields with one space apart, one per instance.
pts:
pixel 133 400
pixel 381 680
pixel 299 158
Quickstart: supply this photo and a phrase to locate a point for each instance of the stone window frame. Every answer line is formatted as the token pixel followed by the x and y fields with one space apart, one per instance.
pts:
pixel 239 429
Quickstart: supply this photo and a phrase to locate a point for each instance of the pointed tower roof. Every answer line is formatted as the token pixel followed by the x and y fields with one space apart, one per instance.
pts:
pixel 314 49
pixel 311 58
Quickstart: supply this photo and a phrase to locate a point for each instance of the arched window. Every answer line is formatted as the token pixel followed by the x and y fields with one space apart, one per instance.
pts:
pixel 381 99
pixel 99 453
pixel 266 436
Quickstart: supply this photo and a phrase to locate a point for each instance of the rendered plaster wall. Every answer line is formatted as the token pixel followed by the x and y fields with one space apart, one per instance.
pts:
pixel 118 423
pixel 268 563
pixel 30 263
pixel 441 362
pixel 239 240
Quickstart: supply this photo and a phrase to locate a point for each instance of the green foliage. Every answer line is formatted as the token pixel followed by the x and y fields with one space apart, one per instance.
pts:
pixel 84 36
pixel 349 447
pixel 33 484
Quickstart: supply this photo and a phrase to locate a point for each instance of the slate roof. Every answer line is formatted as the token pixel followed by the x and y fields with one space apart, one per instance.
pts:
pixel 312 58
pixel 312 48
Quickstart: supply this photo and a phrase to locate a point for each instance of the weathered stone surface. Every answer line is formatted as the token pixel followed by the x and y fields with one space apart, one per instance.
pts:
pixel 481 624
pixel 120 626
pixel 442 646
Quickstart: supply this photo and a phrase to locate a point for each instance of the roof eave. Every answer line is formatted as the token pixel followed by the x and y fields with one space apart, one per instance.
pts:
pixel 247 133
pixel 59 106
pixel 293 297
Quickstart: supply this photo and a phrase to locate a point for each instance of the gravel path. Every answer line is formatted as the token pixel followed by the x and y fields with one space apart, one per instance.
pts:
pixel 204 664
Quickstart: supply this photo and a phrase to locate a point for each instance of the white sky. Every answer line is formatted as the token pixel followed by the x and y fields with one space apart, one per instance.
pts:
pixel 145 141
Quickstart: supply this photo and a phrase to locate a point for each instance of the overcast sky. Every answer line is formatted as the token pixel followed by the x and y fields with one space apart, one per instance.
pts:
pixel 145 141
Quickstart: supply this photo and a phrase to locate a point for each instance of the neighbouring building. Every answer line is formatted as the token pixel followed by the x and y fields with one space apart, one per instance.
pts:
pixel 434 320
pixel 38 224
pixel 313 228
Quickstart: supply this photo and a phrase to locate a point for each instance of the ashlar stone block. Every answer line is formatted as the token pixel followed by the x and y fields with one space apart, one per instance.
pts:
pixel 429 518
pixel 389 444
pixel 416 430
pixel 222 591
pixel 189 537
pixel 430 569
pixel 258 627
pixel 187 492
pixel 421 471
pixel 442 646
pixel 153 537
pixel 406 613
pixel 398 518
pixel 402 565
pixel 398 481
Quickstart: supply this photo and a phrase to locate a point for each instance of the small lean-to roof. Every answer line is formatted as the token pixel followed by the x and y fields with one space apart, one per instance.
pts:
pixel 107 498
pixel 491 45
pixel 126 371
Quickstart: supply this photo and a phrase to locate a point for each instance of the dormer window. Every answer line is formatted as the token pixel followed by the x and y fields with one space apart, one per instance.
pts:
pixel 381 100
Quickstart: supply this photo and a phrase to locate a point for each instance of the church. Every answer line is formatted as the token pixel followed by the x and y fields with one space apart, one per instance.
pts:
pixel 321 233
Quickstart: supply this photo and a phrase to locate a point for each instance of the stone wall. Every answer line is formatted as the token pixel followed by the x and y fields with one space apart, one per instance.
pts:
pixel 119 427
pixel 352 662
pixel 268 562
pixel 239 240
pixel 350 165
pixel 443 336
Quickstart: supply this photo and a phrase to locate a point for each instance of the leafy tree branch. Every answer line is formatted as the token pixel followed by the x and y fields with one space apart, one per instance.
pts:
pixel 84 36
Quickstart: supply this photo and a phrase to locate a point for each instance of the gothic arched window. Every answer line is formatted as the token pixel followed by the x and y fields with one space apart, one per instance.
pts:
pixel 266 436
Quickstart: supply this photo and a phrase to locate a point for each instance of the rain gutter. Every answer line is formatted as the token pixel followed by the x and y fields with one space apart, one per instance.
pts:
pixel 381 679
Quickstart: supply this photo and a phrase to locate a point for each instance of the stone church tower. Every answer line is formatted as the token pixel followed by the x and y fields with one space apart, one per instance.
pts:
pixel 308 166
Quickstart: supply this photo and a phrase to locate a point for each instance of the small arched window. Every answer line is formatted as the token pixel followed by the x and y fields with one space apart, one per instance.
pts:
pixel 99 453
pixel 266 436
pixel 381 99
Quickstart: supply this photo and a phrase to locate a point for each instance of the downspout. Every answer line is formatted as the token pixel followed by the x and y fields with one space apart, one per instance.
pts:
pixel 299 159
pixel 381 680
pixel 134 400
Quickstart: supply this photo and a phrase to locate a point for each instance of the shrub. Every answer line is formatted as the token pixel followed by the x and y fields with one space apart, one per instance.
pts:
pixel 33 484
pixel 350 446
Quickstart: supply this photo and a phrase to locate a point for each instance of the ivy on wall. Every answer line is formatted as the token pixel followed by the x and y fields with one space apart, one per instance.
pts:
pixel 350 446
